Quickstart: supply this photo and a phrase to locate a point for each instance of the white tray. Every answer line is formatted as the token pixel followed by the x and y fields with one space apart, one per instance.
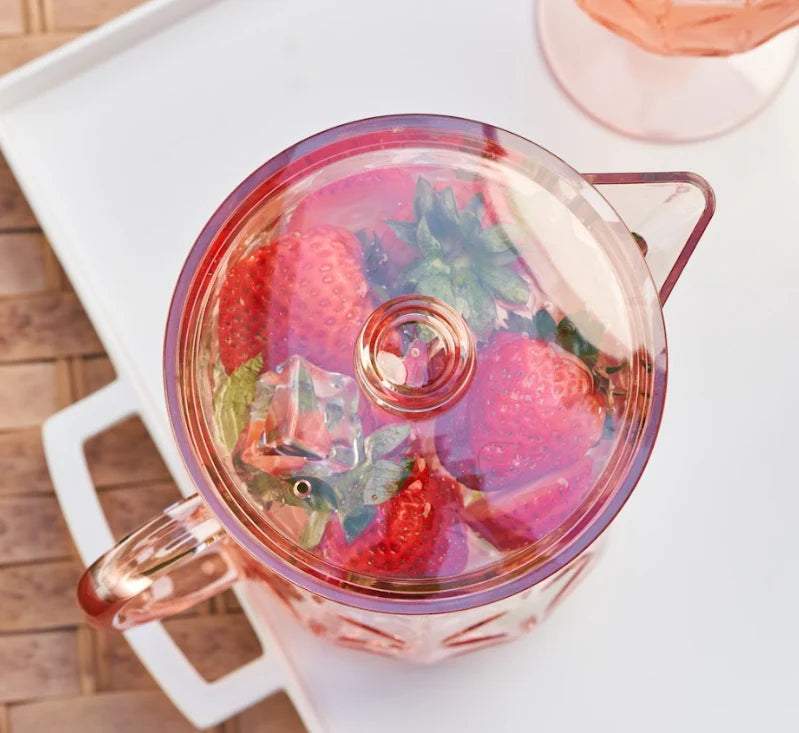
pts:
pixel 126 140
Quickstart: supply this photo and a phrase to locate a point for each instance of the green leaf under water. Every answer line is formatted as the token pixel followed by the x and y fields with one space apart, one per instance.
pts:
pixel 232 401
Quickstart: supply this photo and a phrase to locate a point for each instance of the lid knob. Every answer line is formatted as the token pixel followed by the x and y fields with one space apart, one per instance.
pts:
pixel 414 356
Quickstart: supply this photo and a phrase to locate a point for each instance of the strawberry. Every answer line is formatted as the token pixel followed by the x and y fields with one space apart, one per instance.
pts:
pixel 417 533
pixel 304 293
pixel 531 409
pixel 513 519
pixel 364 201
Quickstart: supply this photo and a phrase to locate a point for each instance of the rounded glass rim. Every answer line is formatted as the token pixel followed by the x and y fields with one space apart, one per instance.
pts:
pixel 381 599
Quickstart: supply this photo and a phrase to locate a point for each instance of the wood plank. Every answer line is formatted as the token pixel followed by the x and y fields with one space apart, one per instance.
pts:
pixel 28 394
pixel 215 645
pixel 92 373
pixel 118 667
pixel 14 210
pixel 276 714
pixel 39 596
pixel 79 14
pixel 46 326
pixel 12 17
pixel 23 469
pixel 23 269
pixel 124 454
pixel 128 508
pixel 32 528
pixel 38 665
pixel 120 712
pixel 17 50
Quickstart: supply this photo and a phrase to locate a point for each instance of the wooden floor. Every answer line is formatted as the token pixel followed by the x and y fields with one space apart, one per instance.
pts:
pixel 56 674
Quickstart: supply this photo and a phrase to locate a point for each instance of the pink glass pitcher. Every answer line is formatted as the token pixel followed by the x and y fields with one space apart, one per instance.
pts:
pixel 415 365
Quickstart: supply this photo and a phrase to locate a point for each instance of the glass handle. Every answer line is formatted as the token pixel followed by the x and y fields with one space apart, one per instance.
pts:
pixel 177 559
pixel 669 211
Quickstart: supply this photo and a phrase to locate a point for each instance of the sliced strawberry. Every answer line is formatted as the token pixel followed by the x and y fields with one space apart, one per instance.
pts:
pixel 510 520
pixel 416 534
pixel 303 294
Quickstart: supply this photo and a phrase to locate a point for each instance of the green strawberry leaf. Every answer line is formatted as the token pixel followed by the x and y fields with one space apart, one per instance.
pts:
pixel 506 284
pixel 447 210
pixel 382 481
pixel 518 324
pixel 232 401
pixel 543 326
pixel 355 523
pixel 500 238
pixel 641 242
pixel 313 529
pixel 437 285
pixel 614 369
pixel 422 267
pixel 422 198
pixel 405 230
pixel 384 440
pixel 469 227
pixel 475 206
pixel 476 306
pixel 573 341
pixel 425 240
pixel 495 239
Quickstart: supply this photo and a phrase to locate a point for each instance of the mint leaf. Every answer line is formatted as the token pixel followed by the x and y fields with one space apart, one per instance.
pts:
pixel 355 523
pixel 506 284
pixel 381 442
pixel 313 529
pixel 265 488
pixel 405 230
pixel 422 198
pixel 425 240
pixel 232 401
pixel 382 481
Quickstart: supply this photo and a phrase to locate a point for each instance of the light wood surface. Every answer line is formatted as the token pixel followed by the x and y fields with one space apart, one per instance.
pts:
pixel 56 674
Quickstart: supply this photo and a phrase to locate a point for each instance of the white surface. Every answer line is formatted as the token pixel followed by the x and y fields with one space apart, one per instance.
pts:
pixel 689 622
pixel 64 436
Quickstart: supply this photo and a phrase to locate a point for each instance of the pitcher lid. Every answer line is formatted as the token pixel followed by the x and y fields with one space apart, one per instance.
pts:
pixel 415 359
